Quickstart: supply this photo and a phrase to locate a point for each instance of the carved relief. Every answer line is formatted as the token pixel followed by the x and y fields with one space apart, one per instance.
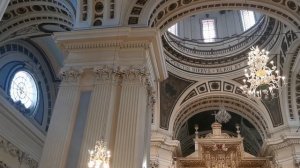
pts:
pixel 107 73
pixel 154 163
pixel 22 157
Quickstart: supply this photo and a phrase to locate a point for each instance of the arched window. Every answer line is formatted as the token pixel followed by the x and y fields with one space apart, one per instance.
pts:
pixel 248 19
pixel 209 30
pixel 23 88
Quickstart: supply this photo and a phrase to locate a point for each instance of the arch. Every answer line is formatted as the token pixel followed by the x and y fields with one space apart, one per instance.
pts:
pixel 240 105
pixel 164 13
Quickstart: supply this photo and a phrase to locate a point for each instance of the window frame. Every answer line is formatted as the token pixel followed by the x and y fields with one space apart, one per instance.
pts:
pixel 243 20
pixel 209 40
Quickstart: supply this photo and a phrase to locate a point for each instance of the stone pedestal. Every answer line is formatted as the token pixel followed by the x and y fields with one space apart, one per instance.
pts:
pixel 124 65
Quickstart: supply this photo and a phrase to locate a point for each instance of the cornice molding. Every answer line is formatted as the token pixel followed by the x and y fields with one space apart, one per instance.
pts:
pixel 107 44
pixel 273 145
pixel 113 41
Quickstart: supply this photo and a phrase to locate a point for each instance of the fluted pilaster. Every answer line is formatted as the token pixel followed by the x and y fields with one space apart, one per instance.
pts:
pixel 130 134
pixel 101 112
pixel 61 127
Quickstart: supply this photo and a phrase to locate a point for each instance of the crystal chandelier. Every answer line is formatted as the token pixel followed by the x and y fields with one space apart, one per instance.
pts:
pixel 99 157
pixel 261 80
pixel 222 116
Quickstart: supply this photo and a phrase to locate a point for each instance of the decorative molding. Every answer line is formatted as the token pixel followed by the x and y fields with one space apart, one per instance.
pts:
pixel 167 12
pixel 107 44
pixel 39 17
pixel 284 142
pixel 22 157
pixel 70 75
pixel 115 41
pixel 226 59
pixel 107 73
pixel 246 109
pixel 154 163
pixel 98 12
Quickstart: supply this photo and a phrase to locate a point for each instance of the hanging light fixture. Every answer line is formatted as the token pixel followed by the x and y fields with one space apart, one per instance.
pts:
pixel 99 157
pixel 261 80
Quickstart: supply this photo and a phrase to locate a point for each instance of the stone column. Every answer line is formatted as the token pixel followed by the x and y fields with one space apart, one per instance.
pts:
pixel 102 111
pixel 61 127
pixel 119 112
pixel 131 129
pixel 3 6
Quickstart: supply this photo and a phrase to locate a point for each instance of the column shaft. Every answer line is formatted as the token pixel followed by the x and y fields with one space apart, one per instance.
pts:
pixel 130 135
pixel 99 119
pixel 60 131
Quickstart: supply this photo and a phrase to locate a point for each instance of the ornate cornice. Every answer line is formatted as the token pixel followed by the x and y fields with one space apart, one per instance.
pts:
pixel 284 141
pixel 14 151
pixel 123 45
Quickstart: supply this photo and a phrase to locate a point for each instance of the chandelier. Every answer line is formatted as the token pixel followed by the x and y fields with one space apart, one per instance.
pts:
pixel 99 157
pixel 222 116
pixel 261 80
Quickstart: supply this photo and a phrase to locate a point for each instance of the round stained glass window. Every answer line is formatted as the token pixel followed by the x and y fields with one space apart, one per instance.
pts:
pixel 23 88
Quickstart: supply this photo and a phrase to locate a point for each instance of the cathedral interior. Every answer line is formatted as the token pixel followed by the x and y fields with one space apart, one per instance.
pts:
pixel 158 83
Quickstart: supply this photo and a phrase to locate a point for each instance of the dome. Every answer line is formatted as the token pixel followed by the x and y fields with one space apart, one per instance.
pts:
pixel 217 43
pixel 215 26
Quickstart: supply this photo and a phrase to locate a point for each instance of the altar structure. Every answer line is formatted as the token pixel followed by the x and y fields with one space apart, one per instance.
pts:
pixel 220 150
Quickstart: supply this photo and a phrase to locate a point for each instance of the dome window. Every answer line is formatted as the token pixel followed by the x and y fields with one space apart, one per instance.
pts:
pixel 248 19
pixel 209 30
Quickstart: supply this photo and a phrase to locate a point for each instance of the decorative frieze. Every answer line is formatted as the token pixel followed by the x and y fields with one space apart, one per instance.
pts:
pixel 108 44
pixel 14 151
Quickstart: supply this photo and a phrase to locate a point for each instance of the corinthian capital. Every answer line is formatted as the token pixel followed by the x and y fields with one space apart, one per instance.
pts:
pixel 135 74
pixel 107 73
pixel 70 75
